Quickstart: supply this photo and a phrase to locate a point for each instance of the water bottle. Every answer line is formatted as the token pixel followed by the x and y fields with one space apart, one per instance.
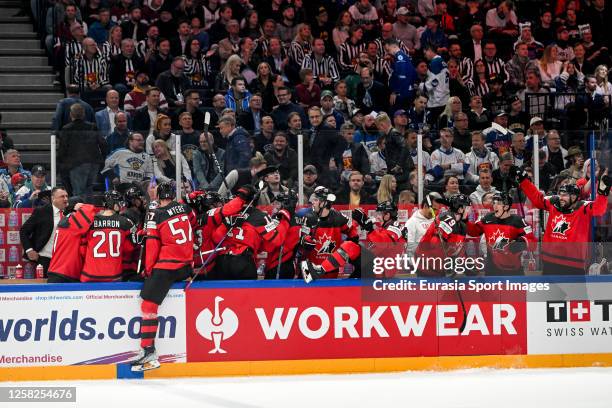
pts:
pixel 13 254
pixel 261 269
pixel 40 272
pixel 19 272
pixel 13 219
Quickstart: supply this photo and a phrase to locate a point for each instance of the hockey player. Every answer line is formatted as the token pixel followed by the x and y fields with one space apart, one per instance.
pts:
pixel 243 236
pixel 109 241
pixel 444 237
pixel 289 231
pixel 169 257
pixel 136 212
pixel 564 246
pixel 326 228
pixel 69 245
pixel 506 235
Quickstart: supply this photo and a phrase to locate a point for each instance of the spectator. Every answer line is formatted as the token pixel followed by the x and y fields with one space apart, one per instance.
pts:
pixel 165 164
pixel 123 67
pixel 518 66
pixel 118 138
pixel 555 153
pixel 145 117
pixel 197 66
pixel 105 119
pixel 81 151
pixel 91 70
pixel 342 103
pixel 544 31
pixel 112 46
pixel 308 92
pixel 284 158
pixel 99 29
pixel 130 164
pixel 192 106
pixel 321 144
pixel 398 160
pixel 364 14
pixel 495 65
pixel 238 149
pixel 502 23
pixel 497 137
pixel 575 163
pixel 404 31
pixel 478 116
pixel 411 144
pixel 238 97
pixel 566 51
pixel 580 62
pixel 419 116
pixel 350 50
pixel 403 77
pixel 451 186
pixel 38 232
pixel 480 81
pixel 479 158
pixel 485 186
pixel 273 187
pixel 387 191
pixel 136 98
pixel 162 130
pixel 447 160
pixel 340 33
pixel 549 66
pixel 146 48
pixel 160 60
pixel 310 180
pixel 473 48
pixel 520 154
pixel 437 81
pixel 503 178
pixel 300 46
pixel 263 85
pixel 535 48
pixel 179 43
pixel 62 110
pixel 134 28
pixel 208 162
pixel 173 83
pixel 280 114
pixel 353 192
pixel 371 94
pixel 434 37
pixel 534 105
pixel 265 136
pixel 603 85
pixel 190 137
pixel 323 66
pixel 496 100
pixel 461 132
pixel 351 156
pixel 251 119
pixel 5 195
pixel 239 177
pixel 28 195
pixel 517 117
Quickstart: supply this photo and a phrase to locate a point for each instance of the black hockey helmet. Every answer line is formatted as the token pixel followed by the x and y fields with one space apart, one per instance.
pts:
pixel 165 191
pixel 432 198
pixel 387 207
pixel 212 199
pixel 570 189
pixel 288 199
pixel 325 194
pixel 134 193
pixel 458 201
pixel 503 197
pixel 111 199
pixel 197 201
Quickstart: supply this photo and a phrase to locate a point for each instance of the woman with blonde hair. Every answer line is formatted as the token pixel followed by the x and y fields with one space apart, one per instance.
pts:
pixel 230 70
pixel 603 85
pixel 263 85
pixel 112 46
pixel 161 131
pixel 447 118
pixel 340 33
pixel 164 163
pixel 549 65
pixel 387 191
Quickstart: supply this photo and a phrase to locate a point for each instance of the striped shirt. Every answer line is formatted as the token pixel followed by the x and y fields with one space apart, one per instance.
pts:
pixel 89 72
pixel 109 50
pixel 380 43
pixel 382 70
pixel 349 55
pixel 197 70
pixel 466 69
pixel 496 67
pixel 479 88
pixel 71 51
pixel 298 50
pixel 325 67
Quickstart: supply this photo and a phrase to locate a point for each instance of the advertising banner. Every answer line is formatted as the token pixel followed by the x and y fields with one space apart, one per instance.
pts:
pixel 84 327
pixel 336 322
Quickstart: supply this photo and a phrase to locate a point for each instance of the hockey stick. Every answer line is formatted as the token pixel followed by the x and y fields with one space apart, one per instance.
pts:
pixel 229 230
pixel 152 206
pixel 452 276
pixel 280 259
pixel 213 155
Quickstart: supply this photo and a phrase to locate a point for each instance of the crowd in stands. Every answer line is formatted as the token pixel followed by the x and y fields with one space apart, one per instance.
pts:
pixel 358 79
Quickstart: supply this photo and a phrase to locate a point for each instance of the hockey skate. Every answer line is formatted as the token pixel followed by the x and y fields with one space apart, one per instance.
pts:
pixel 146 360
pixel 311 272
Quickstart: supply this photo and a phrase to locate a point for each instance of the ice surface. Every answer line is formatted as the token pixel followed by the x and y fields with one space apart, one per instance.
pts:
pixel 537 388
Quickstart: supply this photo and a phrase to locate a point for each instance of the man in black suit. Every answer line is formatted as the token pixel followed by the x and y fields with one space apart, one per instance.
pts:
pixel 473 48
pixel 144 118
pixel 134 28
pixel 123 67
pixel 192 105
pixel 251 119
pixel 38 231
pixel 371 94
pixel 173 83
pixel 81 151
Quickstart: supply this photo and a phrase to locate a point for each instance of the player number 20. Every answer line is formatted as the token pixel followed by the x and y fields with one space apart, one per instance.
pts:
pixel 180 231
pixel 114 240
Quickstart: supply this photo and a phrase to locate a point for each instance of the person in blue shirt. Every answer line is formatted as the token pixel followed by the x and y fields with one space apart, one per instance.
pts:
pixel 433 36
pixel 403 76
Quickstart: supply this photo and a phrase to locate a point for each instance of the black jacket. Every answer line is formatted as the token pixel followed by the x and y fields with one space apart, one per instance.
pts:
pixel 36 231
pixel 142 120
pixel 360 160
pixel 127 29
pixel 119 71
pixel 379 95
pixel 343 196
pixel 246 120
pixel 171 86
pixel 80 142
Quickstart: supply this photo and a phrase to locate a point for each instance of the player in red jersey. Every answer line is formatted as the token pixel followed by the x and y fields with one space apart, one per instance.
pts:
pixel 69 245
pixel 243 236
pixel 326 226
pixel 565 249
pixel 289 230
pixel 444 238
pixel 169 258
pixel 135 211
pixel 506 235
pixel 109 242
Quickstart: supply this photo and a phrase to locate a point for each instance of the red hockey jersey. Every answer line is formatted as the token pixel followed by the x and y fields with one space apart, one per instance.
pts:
pixel 499 233
pixel 69 243
pixel 289 237
pixel 169 243
pixel 108 245
pixel 567 231
pixel 443 239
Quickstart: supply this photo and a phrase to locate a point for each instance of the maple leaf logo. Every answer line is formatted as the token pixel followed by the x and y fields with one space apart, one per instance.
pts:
pixel 327 245
pixel 561 225
pixel 498 241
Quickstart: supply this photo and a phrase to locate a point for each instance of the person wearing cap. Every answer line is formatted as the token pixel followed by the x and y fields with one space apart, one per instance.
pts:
pixel 434 36
pixel 403 75
pixel 564 48
pixel 27 195
pixel 497 137
pixel 575 162
pixel 535 47
pixel 310 180
pixel 496 99
pixel 517 117
pixel 400 121
pixel 404 31
pixel 328 108
pixel 271 176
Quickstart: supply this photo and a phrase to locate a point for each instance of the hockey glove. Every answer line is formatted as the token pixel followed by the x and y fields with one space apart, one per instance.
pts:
pixel 236 221
pixel 367 224
pixel 517 246
pixel 604 184
pixel 247 193
pixel 308 243
pixel 283 214
pixel 521 174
